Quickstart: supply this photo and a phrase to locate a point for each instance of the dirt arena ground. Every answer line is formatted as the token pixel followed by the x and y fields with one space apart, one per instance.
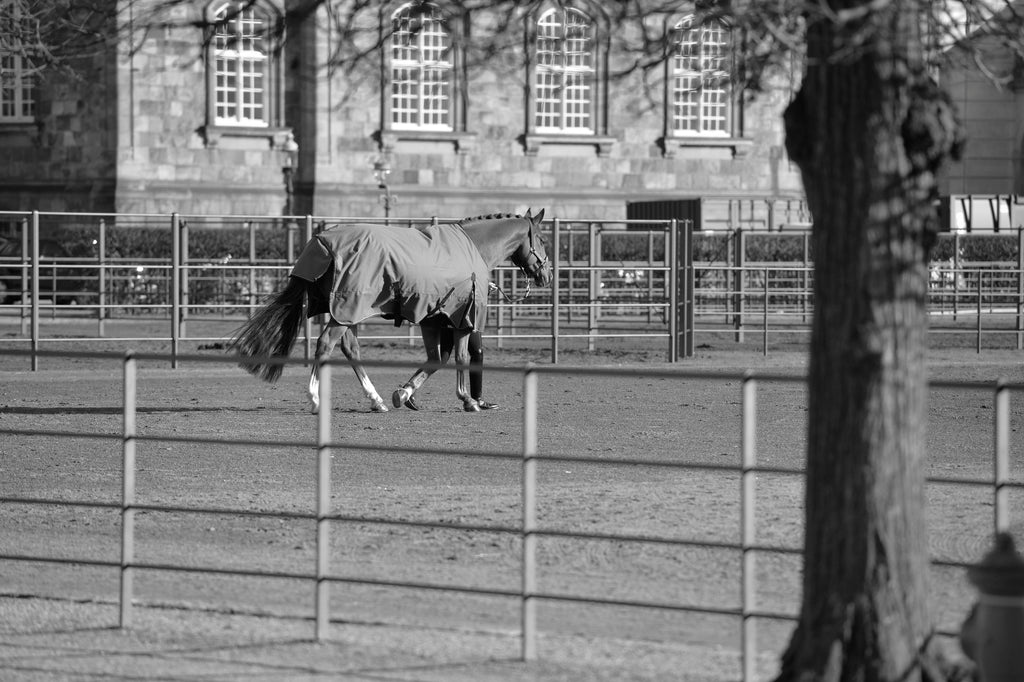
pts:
pixel 60 622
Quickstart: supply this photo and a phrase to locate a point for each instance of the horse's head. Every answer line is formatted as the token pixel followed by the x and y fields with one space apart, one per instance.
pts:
pixel 532 256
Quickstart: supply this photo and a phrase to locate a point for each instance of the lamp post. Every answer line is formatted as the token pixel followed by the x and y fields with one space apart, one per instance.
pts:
pixel 288 168
pixel 290 165
pixel 381 171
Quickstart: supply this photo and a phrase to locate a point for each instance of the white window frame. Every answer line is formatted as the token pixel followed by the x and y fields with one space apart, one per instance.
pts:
pixel 17 82
pixel 240 51
pixel 700 98
pixel 422 88
pixel 565 73
pixel 17 91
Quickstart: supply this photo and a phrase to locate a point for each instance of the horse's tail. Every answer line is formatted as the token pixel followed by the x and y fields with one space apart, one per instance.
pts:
pixel 271 332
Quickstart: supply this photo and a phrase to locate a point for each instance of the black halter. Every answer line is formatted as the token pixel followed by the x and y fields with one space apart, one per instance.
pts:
pixel 530 269
pixel 538 262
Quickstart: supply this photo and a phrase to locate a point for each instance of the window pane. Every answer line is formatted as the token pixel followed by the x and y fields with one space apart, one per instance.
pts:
pixel 405 96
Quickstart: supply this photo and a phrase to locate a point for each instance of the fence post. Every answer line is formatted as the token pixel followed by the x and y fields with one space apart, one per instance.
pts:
pixel 25 264
pixel 981 277
pixel 666 265
pixel 529 568
pixel 956 275
pixel 101 276
pixel 764 319
pixel 739 262
pixel 595 285
pixel 128 490
pixel 805 276
pixel 183 275
pixel 673 290
pixel 571 274
pixel 748 530
pixel 1001 459
pixel 36 274
pixel 323 505
pixel 307 326
pixel 1020 288
pixel 251 226
pixel 556 287
pixel 689 302
pixel 650 275
pixel 175 287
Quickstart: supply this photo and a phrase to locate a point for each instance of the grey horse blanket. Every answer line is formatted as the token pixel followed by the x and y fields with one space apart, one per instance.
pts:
pixel 398 273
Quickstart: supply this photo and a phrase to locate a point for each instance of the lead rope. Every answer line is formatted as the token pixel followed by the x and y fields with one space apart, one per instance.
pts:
pixel 509 299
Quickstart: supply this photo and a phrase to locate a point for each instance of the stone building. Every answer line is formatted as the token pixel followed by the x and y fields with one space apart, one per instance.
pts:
pixel 985 80
pixel 243 120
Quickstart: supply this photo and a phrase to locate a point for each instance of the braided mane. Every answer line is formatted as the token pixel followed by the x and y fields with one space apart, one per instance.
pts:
pixel 490 216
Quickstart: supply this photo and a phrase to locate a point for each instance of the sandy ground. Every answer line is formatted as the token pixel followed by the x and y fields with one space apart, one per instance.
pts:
pixel 60 621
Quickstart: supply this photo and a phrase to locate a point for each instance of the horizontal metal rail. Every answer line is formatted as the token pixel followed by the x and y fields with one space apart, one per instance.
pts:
pixel 603 292
pixel 529 531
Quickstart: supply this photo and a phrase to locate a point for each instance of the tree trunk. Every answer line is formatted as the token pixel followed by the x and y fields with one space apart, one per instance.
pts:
pixel 867 130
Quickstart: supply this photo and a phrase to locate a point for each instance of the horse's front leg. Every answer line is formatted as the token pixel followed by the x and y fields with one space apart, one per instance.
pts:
pixel 350 347
pixel 432 345
pixel 469 404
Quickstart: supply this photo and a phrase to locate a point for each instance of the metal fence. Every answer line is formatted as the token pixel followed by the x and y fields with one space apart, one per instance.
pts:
pixel 322 576
pixel 614 280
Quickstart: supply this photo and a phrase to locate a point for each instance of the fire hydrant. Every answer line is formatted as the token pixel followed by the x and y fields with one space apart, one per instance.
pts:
pixel 993 634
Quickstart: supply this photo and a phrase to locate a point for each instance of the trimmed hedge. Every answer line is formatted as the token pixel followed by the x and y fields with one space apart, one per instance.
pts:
pixel 987 248
pixel 216 244
pixel 146 243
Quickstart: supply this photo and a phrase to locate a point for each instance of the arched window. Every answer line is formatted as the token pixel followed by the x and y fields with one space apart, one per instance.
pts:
pixel 244 78
pixel 700 95
pixel 565 70
pixel 17 84
pixel 240 62
pixel 421 70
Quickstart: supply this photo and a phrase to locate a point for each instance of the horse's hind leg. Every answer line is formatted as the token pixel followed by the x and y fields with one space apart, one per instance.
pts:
pixel 432 344
pixel 324 347
pixel 350 347
pixel 461 344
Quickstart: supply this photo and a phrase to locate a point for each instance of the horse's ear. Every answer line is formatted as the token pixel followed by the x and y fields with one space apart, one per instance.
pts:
pixel 539 217
pixel 528 215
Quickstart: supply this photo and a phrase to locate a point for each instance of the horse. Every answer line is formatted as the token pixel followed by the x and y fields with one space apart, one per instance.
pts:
pixel 437 276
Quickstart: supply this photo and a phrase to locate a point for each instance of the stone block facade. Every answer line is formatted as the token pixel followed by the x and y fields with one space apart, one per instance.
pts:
pixel 136 135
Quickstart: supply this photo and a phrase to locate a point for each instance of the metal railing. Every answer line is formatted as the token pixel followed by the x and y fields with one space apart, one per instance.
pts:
pixel 614 280
pixel 529 530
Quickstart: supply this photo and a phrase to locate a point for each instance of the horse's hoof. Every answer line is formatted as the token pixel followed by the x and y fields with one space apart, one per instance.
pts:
pixel 484 405
pixel 378 406
pixel 399 397
pixel 471 407
pixel 412 404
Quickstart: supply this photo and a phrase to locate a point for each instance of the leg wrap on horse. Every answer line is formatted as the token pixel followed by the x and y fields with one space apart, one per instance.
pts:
pixel 476 362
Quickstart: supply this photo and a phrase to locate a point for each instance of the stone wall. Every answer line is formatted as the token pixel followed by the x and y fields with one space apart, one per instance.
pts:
pixel 992 159
pixel 66 159
pixel 497 173
pixel 131 136
pixel 167 161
